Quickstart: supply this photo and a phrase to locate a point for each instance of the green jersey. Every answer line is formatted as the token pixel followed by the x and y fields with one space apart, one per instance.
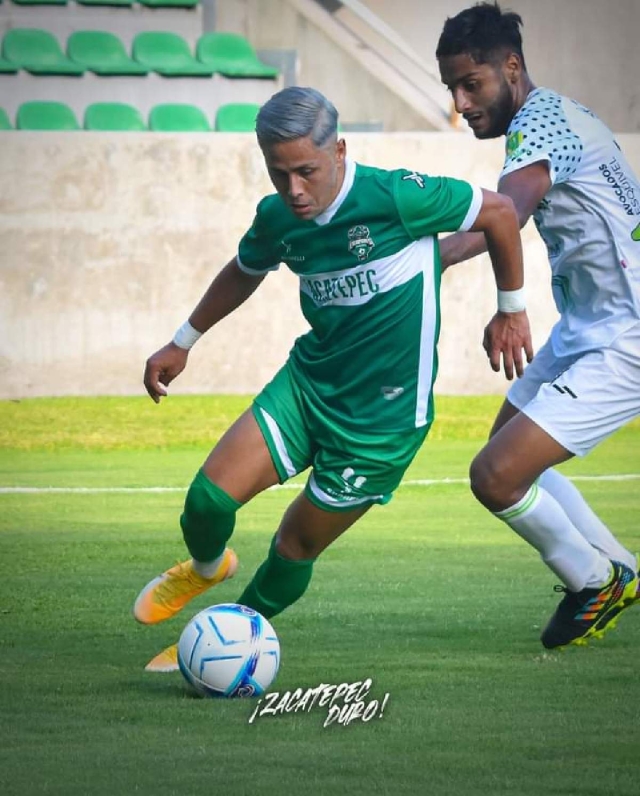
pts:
pixel 369 271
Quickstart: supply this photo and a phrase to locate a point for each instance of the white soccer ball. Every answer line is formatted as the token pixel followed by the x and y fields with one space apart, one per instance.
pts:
pixel 229 650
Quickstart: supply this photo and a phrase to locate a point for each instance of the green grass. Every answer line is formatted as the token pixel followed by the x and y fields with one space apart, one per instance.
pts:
pixel 437 602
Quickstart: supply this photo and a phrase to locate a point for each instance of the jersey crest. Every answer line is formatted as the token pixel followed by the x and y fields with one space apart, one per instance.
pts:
pixel 360 242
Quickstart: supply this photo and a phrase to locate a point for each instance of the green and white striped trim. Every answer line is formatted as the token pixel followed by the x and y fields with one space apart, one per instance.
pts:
pixel 529 501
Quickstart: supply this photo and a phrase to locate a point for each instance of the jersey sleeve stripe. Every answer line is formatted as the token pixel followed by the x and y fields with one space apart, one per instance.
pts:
pixel 474 209
pixel 254 271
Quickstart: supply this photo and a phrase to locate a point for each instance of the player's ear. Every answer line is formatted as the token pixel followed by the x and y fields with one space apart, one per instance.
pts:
pixel 341 150
pixel 512 67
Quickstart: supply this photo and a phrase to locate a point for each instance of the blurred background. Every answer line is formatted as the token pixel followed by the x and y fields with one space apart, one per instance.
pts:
pixel 129 169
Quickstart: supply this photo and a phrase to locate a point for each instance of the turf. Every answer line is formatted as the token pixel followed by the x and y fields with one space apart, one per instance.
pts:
pixel 435 601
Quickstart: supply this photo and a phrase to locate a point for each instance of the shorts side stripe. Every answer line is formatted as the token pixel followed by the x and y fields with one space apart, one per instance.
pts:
pixel 279 442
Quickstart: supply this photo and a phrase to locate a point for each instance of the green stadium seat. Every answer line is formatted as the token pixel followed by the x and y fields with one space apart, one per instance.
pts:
pixel 105 2
pixel 168 54
pixel 169 3
pixel 113 116
pixel 40 2
pixel 5 123
pixel 38 52
pixel 232 56
pixel 237 117
pixel 46 116
pixel 178 118
pixel 102 53
pixel 6 67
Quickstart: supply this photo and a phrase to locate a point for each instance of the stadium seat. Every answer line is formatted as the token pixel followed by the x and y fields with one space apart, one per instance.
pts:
pixel 38 52
pixel 7 68
pixel 169 3
pixel 178 118
pixel 237 117
pixel 168 54
pixel 102 53
pixel 113 116
pixel 105 2
pixel 40 2
pixel 46 116
pixel 5 124
pixel 232 56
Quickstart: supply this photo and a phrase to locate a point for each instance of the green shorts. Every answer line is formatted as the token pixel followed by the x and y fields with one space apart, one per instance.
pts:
pixel 349 469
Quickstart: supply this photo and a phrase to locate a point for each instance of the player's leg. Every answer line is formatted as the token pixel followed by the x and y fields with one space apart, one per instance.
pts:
pixel 305 531
pixel 343 485
pixel 503 479
pixel 528 444
pixel 553 481
pixel 239 467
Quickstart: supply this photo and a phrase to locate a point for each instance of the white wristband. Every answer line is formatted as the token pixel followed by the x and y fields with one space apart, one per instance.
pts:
pixel 186 336
pixel 511 300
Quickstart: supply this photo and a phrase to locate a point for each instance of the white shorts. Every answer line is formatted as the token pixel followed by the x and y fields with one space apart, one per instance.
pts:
pixel 581 400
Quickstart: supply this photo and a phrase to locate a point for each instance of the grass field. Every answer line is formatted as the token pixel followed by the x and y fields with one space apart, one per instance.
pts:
pixel 434 600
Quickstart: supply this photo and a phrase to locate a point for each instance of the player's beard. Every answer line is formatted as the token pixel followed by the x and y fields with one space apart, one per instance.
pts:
pixel 499 114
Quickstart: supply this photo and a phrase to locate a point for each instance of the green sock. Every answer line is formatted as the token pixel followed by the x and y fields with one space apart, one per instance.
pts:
pixel 208 519
pixel 277 584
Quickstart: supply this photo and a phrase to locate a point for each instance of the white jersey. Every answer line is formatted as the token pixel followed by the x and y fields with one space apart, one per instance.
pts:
pixel 589 219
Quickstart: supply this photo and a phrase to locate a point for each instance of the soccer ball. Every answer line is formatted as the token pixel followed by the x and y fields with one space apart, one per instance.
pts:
pixel 229 650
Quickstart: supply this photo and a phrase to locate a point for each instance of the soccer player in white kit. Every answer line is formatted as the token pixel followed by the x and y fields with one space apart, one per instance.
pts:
pixel 564 167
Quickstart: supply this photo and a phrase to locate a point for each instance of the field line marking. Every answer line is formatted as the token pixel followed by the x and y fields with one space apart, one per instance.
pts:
pixel 92 490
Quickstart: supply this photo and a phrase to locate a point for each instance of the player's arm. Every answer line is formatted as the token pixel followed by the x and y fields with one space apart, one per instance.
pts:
pixel 229 289
pixel 526 187
pixel 508 332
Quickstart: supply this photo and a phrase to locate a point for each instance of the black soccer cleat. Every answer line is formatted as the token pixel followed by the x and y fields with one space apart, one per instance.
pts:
pixel 589 613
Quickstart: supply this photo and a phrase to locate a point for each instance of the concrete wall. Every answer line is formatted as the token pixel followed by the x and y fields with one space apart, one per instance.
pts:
pixel 587 49
pixel 108 240
pixel 361 97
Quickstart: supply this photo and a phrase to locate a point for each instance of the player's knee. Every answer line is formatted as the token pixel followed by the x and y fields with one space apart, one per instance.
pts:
pixel 296 548
pixel 208 508
pixel 488 484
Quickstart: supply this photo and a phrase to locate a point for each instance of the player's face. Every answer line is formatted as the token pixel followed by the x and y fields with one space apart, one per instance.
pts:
pixel 483 93
pixel 307 178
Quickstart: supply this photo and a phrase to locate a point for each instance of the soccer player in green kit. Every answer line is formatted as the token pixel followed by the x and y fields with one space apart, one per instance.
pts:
pixel 354 401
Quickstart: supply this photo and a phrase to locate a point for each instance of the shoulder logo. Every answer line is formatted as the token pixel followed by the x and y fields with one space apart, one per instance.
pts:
pixel 415 177
pixel 514 142
pixel 360 242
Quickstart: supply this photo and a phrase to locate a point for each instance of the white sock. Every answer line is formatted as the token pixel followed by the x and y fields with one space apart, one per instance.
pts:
pixel 584 518
pixel 540 520
pixel 207 569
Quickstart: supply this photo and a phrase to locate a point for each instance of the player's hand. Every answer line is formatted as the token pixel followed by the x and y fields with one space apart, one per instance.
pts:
pixel 162 368
pixel 506 336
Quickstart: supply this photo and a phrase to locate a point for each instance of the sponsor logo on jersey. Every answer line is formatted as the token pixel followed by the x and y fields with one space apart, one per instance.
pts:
pixel 415 177
pixel 614 174
pixel 360 242
pixel 513 142
pixel 356 284
pixel 514 145
pixel 635 235
pixel 286 254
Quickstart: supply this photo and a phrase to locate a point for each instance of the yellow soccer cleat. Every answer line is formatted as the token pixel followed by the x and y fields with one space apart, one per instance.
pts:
pixel 167 594
pixel 165 661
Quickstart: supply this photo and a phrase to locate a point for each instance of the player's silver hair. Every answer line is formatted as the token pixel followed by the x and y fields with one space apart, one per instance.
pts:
pixel 297 112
